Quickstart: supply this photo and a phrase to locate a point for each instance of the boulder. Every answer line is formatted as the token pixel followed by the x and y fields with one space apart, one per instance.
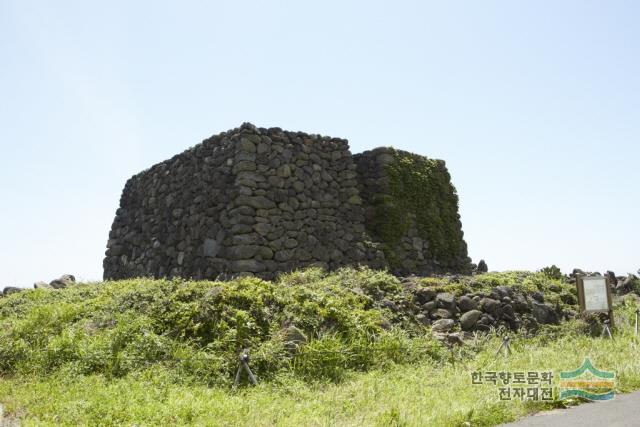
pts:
pixel 423 319
pixel 443 325
pixel 466 304
pixel 430 306
pixel 446 300
pixel 490 306
pixel 543 313
pixel 41 285
pixel 442 313
pixel 293 338
pixel 626 285
pixel 469 319
pixel 424 295
pixel 507 312
pixel 538 297
pixel 390 305
pixel 11 290
pixel 520 303
pixel 63 281
pixel 503 291
pixel 485 322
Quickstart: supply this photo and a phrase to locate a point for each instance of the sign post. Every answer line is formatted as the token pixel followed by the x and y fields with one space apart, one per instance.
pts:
pixel 594 295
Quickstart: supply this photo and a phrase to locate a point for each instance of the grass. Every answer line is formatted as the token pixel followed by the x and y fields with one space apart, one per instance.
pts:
pixel 414 395
pixel 197 328
pixel 145 352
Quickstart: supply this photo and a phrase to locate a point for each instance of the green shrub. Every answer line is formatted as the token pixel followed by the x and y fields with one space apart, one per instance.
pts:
pixel 552 272
pixel 197 328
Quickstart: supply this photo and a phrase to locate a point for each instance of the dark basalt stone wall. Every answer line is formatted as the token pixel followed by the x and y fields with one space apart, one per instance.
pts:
pixel 250 201
pixel 411 207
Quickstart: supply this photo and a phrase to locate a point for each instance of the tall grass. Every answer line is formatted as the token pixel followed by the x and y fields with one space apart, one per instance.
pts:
pixel 417 394
pixel 197 328
pixel 163 352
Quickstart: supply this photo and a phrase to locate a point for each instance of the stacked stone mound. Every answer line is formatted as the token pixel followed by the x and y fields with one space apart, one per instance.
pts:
pixel 252 201
pixel 503 307
pixel 248 201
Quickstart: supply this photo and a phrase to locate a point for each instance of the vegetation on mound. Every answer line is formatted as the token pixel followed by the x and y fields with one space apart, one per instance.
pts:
pixel 423 394
pixel 313 324
pixel 556 290
pixel 157 352
pixel 197 328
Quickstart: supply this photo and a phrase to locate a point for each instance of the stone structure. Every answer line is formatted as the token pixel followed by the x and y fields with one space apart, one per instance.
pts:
pixel 412 208
pixel 263 201
pixel 502 306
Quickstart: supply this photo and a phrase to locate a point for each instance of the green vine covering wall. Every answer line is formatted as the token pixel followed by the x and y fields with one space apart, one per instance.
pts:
pixel 422 187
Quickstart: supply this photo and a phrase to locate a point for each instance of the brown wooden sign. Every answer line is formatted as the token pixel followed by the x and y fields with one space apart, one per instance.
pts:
pixel 594 295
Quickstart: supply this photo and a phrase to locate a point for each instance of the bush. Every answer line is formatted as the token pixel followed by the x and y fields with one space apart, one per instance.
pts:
pixel 552 272
pixel 353 319
pixel 197 328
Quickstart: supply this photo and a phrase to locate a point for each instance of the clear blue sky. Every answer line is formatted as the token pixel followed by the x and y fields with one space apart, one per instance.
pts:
pixel 535 106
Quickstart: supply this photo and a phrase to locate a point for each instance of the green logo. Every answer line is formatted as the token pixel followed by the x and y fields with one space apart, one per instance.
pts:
pixel 587 382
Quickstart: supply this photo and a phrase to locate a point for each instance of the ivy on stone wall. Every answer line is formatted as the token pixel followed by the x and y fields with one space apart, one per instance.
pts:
pixel 421 187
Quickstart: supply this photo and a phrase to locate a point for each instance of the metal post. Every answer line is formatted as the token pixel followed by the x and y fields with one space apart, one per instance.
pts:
pixel 237 381
pixel 636 328
pixel 606 331
pixel 252 378
pixel 505 345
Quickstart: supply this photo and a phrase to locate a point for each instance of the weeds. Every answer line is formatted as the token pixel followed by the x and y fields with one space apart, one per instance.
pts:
pixel 158 352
